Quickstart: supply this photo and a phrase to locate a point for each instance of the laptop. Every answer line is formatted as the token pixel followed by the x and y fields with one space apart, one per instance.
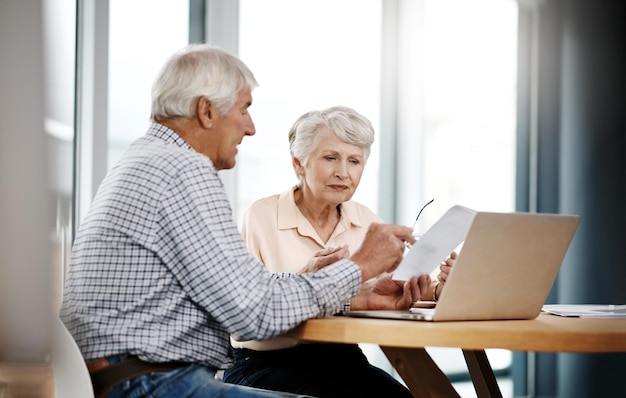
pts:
pixel 504 270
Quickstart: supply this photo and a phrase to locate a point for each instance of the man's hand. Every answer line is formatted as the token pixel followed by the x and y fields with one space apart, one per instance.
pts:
pixel 387 294
pixel 326 257
pixel 382 249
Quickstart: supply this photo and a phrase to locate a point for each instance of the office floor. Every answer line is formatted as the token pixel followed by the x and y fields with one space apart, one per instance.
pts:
pixel 466 388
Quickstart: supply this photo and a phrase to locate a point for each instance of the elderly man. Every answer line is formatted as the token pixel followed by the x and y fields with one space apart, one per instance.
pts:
pixel 160 276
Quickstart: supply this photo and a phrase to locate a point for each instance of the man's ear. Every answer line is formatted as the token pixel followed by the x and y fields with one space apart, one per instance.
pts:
pixel 205 112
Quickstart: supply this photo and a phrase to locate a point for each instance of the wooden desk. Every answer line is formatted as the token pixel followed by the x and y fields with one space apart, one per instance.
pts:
pixel 403 343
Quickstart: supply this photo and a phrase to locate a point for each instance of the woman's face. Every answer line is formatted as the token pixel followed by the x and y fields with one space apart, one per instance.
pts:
pixel 333 170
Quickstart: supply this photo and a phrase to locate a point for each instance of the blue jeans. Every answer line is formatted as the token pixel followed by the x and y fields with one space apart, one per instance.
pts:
pixel 188 381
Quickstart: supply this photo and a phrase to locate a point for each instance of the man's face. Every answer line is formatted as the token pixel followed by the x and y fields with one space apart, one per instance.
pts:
pixel 229 130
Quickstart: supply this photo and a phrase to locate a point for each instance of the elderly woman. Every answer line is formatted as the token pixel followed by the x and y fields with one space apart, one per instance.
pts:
pixel 316 218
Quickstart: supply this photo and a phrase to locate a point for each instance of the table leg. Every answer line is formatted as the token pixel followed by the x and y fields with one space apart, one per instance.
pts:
pixel 420 373
pixel 481 373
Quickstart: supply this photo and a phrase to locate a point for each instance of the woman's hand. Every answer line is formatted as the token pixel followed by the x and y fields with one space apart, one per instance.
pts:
pixel 444 272
pixel 326 257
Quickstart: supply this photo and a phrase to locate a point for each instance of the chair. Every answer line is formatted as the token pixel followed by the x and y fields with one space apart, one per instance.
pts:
pixel 71 377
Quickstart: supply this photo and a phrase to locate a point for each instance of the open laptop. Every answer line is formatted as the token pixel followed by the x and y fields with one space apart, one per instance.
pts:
pixel 505 269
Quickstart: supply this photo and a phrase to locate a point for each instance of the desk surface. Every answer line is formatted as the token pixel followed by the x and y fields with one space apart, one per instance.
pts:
pixel 546 333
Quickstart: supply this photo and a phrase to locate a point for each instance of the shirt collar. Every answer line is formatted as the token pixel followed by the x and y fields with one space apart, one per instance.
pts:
pixel 289 216
pixel 167 135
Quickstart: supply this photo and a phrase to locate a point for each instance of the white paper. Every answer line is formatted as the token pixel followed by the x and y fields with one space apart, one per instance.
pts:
pixel 436 244
pixel 586 310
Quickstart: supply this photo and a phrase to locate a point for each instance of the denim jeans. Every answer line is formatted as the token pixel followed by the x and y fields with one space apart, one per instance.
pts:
pixel 188 381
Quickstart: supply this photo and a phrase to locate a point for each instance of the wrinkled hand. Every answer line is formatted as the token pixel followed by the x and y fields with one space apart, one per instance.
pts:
pixel 382 249
pixel 444 272
pixel 384 293
pixel 326 257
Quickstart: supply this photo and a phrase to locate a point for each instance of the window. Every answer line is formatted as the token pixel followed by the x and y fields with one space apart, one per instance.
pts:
pixel 462 123
pixel 300 63
pixel 470 58
pixel 142 35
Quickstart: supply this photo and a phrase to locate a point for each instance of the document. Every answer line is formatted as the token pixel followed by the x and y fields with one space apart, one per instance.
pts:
pixel 436 244
pixel 586 310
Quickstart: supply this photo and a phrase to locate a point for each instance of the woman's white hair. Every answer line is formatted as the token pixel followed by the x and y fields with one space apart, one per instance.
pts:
pixel 199 70
pixel 347 124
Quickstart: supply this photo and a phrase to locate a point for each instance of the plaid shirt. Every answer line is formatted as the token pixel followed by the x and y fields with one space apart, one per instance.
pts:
pixel 159 269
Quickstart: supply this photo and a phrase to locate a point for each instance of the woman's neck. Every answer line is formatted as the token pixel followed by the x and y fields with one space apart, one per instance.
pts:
pixel 324 217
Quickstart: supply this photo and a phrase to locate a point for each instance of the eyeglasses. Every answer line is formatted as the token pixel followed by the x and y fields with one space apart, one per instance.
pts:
pixel 407 244
pixel 421 210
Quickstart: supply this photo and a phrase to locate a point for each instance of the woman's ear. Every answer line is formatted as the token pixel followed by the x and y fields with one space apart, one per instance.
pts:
pixel 297 166
pixel 205 112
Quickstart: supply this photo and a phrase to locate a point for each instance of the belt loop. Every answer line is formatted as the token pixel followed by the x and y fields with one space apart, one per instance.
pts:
pixel 98 364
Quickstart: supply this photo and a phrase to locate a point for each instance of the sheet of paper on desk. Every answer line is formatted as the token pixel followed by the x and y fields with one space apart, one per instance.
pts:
pixel 436 244
pixel 586 310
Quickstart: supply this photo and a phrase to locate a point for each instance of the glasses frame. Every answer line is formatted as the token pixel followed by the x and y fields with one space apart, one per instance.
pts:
pixel 407 244
pixel 420 212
